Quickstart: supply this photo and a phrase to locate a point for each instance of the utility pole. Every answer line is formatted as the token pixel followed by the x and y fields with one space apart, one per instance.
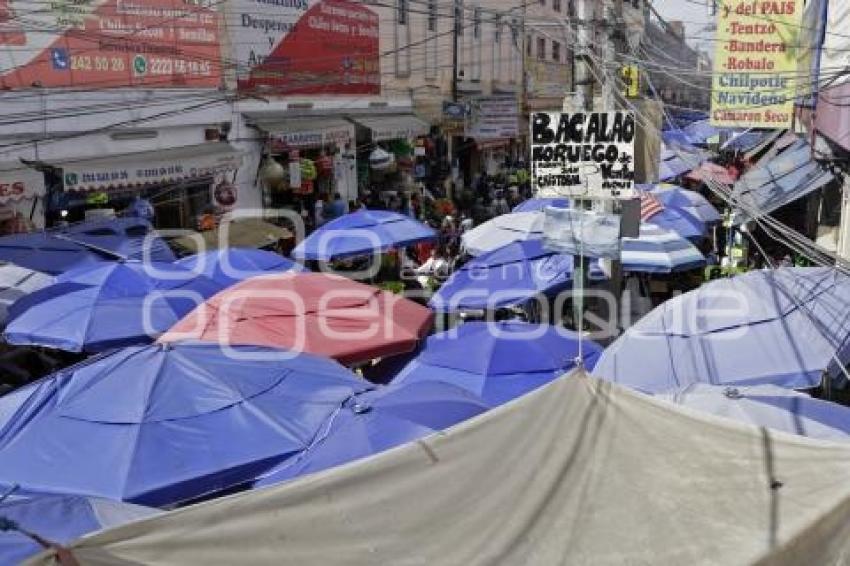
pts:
pixel 583 82
pixel 611 100
pixel 455 38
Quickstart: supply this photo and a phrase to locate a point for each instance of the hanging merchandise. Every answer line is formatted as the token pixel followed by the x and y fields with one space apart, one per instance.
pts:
pixel 308 170
pixel 324 165
pixel 382 160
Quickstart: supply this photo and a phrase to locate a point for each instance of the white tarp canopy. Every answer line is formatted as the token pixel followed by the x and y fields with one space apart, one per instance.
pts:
pixel 579 472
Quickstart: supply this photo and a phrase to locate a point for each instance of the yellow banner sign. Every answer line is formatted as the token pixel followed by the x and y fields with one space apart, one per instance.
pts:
pixel 755 63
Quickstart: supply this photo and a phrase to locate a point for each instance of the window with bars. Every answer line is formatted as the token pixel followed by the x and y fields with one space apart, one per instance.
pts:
pixel 556 5
pixel 556 52
pixel 541 48
pixel 432 15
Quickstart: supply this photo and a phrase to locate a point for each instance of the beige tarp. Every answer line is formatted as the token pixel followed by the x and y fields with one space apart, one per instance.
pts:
pixel 580 472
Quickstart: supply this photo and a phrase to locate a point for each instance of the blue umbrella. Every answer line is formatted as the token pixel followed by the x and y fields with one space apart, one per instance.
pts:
pixel 691 203
pixel 128 238
pixel 158 425
pixel 229 266
pixel 659 251
pixel 538 204
pixel 362 232
pixel 679 223
pixel 59 519
pixel 700 132
pixel 48 253
pixel 498 361
pixel 375 421
pixel 779 327
pixel 113 304
pixel 767 406
pixel 509 276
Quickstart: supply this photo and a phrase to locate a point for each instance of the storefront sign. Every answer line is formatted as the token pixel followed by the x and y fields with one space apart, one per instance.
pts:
pixel 129 171
pixel 583 155
pixel 305 46
pixel 20 183
pixel 110 43
pixel 454 118
pixel 492 118
pixel 755 63
pixel 311 139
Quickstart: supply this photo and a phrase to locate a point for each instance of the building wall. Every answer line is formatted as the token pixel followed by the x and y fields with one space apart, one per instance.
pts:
pixel 489 49
pixel 676 70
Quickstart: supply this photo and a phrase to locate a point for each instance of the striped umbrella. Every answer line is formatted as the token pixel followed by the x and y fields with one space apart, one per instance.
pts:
pixel 659 251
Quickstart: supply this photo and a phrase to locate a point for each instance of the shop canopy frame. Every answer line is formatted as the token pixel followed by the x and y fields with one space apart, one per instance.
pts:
pixel 149 168
pixel 402 126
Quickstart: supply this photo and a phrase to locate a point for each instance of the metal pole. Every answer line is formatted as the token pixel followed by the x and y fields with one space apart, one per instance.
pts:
pixel 456 24
pixel 584 89
pixel 612 102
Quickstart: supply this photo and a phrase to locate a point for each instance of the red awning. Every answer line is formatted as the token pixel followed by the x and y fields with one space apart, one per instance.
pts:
pixel 315 313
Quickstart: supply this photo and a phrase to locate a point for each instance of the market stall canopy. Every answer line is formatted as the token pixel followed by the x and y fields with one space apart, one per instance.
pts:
pixel 374 421
pixel 783 327
pixel 538 204
pixel 791 175
pixel 659 251
pixel 605 473
pixel 133 170
pixel 92 309
pixel 508 276
pixel 385 128
pixel 713 172
pixel 49 252
pixel 162 424
pixel 767 406
pixel 499 361
pixel 503 230
pixel 689 202
pixel 240 233
pixel 18 182
pixel 59 519
pixel 127 238
pixel 17 282
pixel 362 232
pixel 751 140
pixel 677 160
pixel 232 265
pixel 302 133
pixel 678 222
pixel 316 313
pixel 701 132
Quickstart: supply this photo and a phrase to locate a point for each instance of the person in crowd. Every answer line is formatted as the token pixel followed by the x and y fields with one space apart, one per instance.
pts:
pixel 335 208
pixel 141 208
pixel 319 211
pixel 466 223
pixel 500 205
pixel 437 267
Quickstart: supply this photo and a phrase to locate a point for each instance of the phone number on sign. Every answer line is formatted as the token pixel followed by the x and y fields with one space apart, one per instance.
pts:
pixel 141 65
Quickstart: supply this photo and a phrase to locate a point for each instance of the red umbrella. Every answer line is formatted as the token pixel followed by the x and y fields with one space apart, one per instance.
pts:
pixel 718 173
pixel 316 313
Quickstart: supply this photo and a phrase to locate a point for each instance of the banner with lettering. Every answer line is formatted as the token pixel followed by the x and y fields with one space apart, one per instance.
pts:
pixel 305 46
pixel 755 64
pixel 583 155
pixel 109 43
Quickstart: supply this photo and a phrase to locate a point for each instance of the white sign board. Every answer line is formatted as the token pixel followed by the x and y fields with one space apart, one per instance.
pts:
pixel 493 118
pixel 585 155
